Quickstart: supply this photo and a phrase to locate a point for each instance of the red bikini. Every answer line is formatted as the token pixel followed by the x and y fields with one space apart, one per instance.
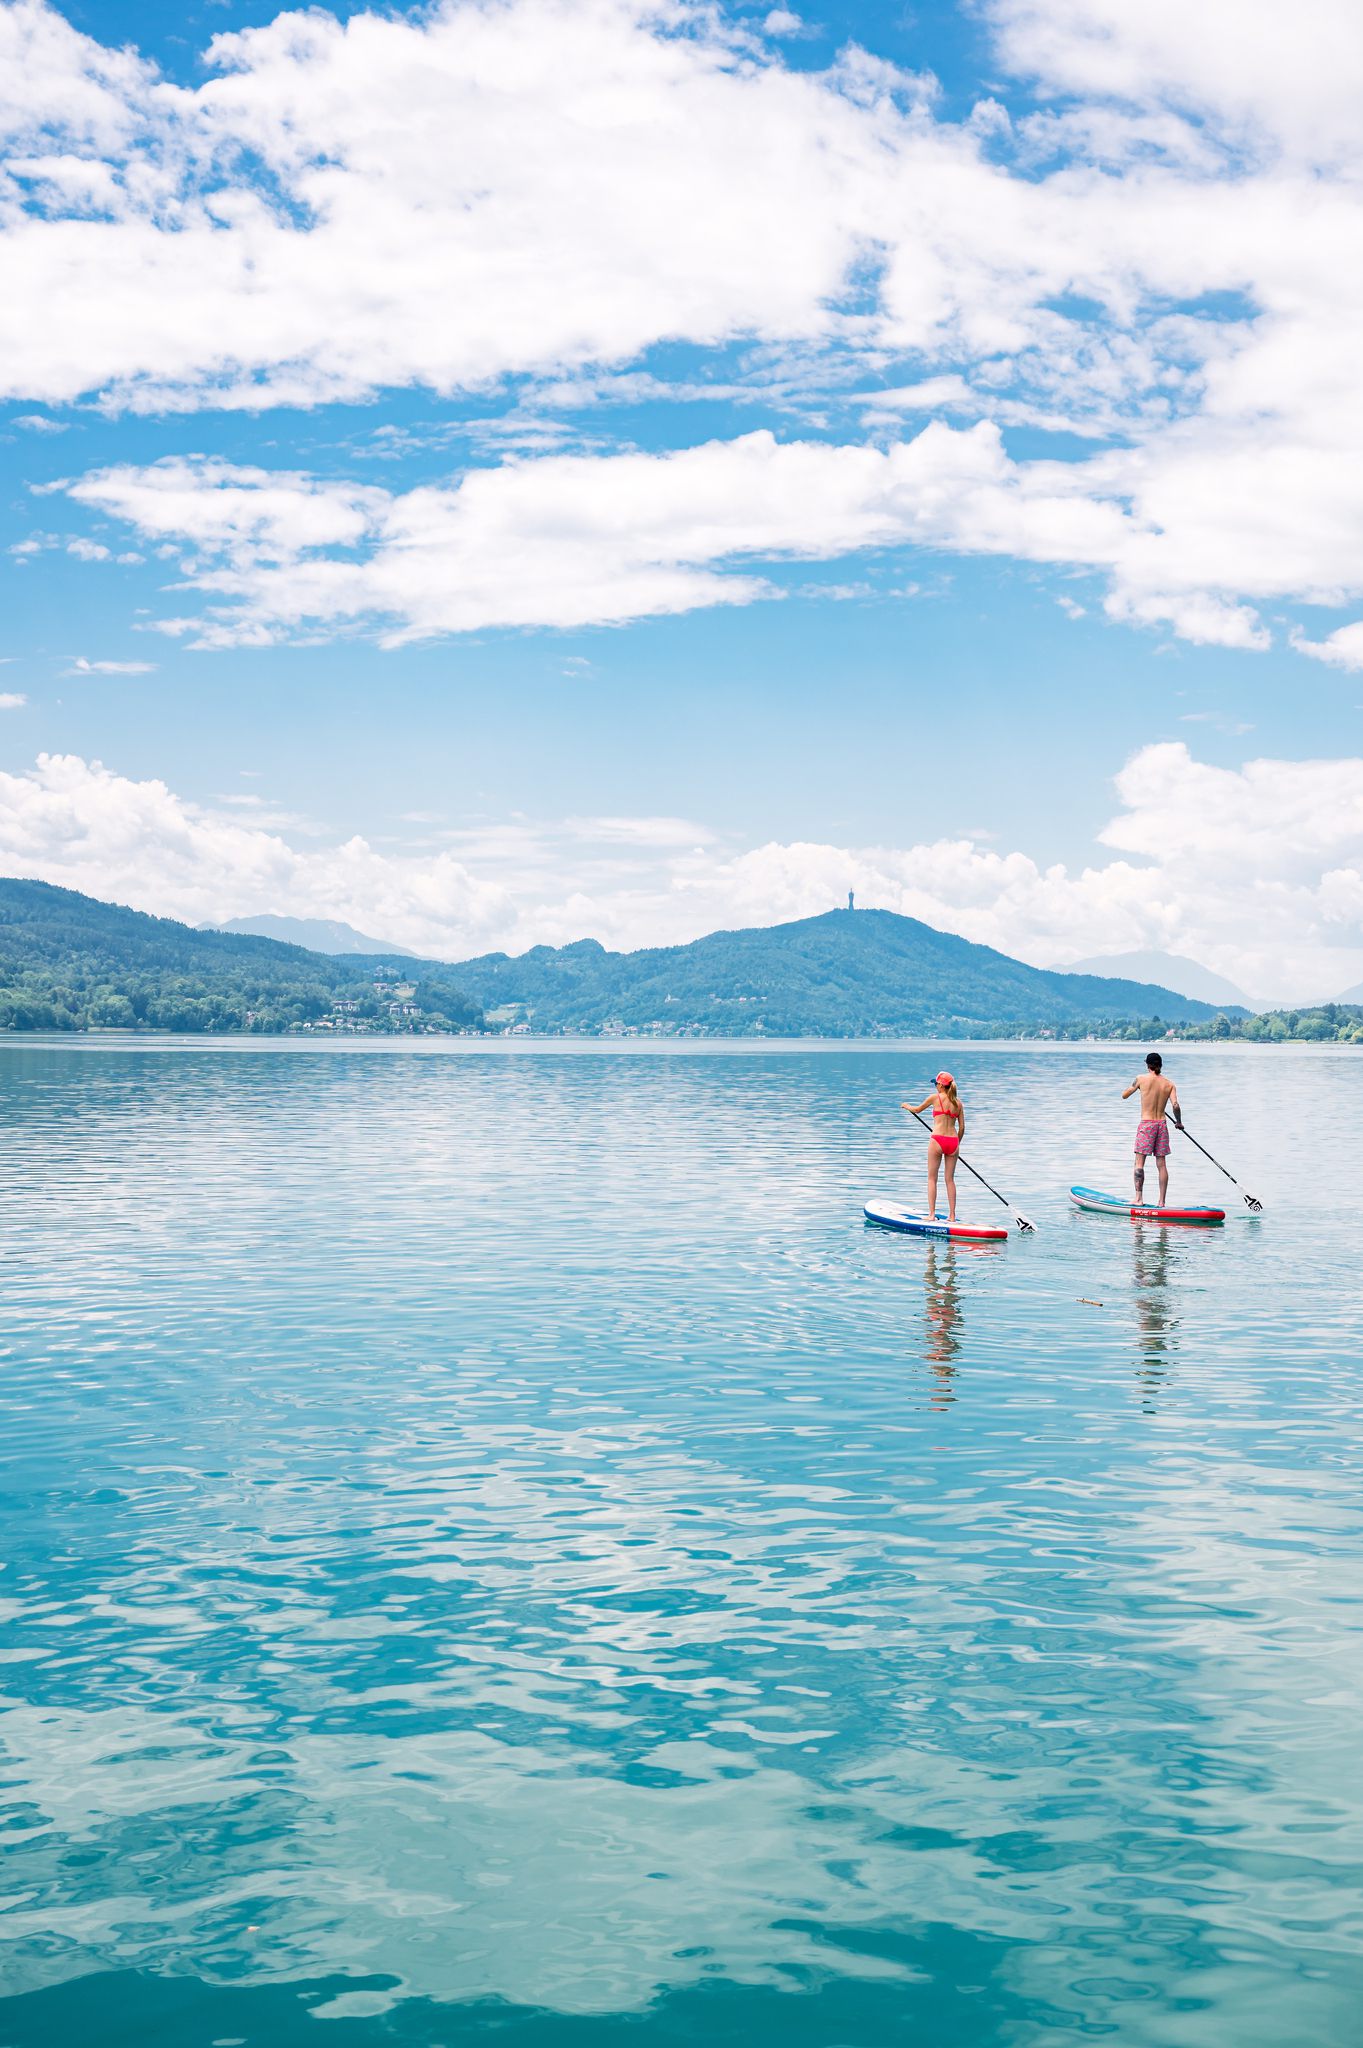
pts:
pixel 948 1140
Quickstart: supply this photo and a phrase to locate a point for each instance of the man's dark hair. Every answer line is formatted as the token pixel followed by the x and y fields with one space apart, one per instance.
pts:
pixel 1154 1062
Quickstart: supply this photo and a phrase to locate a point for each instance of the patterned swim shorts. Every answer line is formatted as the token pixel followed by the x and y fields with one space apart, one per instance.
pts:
pixel 1152 1138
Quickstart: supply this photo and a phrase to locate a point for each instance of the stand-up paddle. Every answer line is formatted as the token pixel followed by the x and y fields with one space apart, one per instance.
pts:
pixel 1250 1201
pixel 1022 1222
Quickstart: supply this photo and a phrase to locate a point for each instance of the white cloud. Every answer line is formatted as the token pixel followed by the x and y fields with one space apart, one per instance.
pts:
pixel 641 832
pixel 574 540
pixel 1341 649
pixel 81 667
pixel 87 550
pixel 12 700
pixel 39 423
pixel 1267 77
pixel 452 195
pixel 1258 873
pixel 1169 256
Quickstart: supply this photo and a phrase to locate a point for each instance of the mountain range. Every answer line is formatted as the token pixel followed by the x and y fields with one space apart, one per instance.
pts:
pixel 69 961
pixel 847 973
pixel 318 934
pixel 1170 970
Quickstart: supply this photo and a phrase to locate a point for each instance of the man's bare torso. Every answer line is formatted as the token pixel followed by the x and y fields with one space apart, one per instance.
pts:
pixel 1155 1093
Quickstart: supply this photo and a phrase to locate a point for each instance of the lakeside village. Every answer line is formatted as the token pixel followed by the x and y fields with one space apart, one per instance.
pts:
pixel 395 1008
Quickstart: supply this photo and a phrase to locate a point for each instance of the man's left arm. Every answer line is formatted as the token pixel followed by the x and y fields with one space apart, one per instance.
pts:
pixel 1174 1106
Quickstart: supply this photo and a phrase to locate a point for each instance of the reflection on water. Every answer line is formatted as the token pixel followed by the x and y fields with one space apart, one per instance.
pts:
pixel 1155 1262
pixel 943 1297
pixel 477 1567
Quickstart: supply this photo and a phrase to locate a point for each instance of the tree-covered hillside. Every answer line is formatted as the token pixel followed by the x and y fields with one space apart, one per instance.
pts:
pixel 68 962
pixel 1324 1024
pixel 71 963
pixel 849 973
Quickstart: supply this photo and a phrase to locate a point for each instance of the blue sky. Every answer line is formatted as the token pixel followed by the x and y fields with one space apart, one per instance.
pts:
pixel 502 473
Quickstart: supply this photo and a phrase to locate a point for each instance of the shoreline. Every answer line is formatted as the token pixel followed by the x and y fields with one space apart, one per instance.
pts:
pixel 576 1046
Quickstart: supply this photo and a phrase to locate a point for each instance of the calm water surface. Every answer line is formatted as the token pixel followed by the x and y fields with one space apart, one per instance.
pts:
pixel 495 1550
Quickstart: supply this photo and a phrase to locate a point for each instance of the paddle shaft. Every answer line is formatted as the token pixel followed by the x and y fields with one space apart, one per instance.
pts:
pixel 978 1175
pixel 1216 1163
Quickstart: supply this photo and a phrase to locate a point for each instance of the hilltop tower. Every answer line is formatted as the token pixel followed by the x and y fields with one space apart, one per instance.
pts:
pixel 851 901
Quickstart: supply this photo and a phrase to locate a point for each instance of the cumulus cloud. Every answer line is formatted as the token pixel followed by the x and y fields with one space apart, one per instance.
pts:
pixel 1341 649
pixel 12 700
pixel 574 540
pixel 1258 872
pixel 1164 258
pixel 1272 79
pixel 467 191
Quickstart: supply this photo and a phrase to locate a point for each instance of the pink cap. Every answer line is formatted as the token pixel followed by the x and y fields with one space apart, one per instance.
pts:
pixel 945 1081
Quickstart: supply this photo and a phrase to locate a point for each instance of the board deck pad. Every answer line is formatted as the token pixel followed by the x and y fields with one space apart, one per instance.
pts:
pixel 1142 1212
pixel 894 1216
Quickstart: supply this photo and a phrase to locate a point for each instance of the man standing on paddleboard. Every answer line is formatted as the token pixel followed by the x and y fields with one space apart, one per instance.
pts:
pixel 1158 1096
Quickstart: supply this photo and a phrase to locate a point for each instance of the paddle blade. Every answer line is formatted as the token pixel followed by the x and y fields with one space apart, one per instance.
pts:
pixel 1023 1222
pixel 1253 1202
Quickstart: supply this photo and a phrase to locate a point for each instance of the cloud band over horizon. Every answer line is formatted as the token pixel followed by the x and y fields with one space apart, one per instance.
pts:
pixel 1258 872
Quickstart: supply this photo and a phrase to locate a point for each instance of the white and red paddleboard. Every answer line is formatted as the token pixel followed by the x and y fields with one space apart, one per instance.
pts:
pixel 1142 1212
pixel 895 1217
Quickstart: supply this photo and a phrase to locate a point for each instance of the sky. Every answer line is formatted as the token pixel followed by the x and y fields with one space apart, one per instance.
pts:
pixel 513 471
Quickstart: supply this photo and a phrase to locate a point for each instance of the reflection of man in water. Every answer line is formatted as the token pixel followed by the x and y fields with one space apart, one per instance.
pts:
pixel 944 1318
pixel 1152 1132
pixel 1155 1321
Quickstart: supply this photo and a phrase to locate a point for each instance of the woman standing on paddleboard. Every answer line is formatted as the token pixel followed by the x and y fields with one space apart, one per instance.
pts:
pixel 948 1129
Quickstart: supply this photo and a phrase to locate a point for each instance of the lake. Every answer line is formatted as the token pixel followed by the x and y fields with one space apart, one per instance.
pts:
pixel 497 1550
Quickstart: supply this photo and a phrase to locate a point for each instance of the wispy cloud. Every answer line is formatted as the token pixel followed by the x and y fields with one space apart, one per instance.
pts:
pixel 81 667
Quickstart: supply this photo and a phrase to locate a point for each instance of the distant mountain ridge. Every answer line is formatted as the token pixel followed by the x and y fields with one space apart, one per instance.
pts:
pixel 847 973
pixel 1168 970
pixel 69 961
pixel 318 934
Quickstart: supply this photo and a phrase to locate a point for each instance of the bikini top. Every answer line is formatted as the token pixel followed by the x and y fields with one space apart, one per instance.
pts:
pixel 944 1109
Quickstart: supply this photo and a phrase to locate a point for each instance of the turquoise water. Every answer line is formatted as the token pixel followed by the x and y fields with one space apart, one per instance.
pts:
pixel 496 1550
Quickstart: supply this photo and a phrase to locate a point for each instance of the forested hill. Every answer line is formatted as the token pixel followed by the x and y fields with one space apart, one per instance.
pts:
pixel 69 962
pixel 849 973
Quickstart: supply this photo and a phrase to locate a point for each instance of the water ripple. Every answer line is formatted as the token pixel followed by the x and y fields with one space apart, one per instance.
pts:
pixel 495 1545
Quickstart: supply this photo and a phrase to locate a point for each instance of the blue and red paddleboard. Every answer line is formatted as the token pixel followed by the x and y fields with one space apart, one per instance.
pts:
pixel 1141 1212
pixel 895 1216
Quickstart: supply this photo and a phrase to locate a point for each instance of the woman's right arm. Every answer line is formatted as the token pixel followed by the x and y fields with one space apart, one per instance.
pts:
pixel 916 1106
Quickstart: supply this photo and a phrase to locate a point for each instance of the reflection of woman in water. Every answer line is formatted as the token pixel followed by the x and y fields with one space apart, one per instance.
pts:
pixel 948 1129
pixel 944 1318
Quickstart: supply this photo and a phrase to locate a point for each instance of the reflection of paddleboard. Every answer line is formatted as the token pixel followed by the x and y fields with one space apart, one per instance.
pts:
pixel 1145 1212
pixel 895 1217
